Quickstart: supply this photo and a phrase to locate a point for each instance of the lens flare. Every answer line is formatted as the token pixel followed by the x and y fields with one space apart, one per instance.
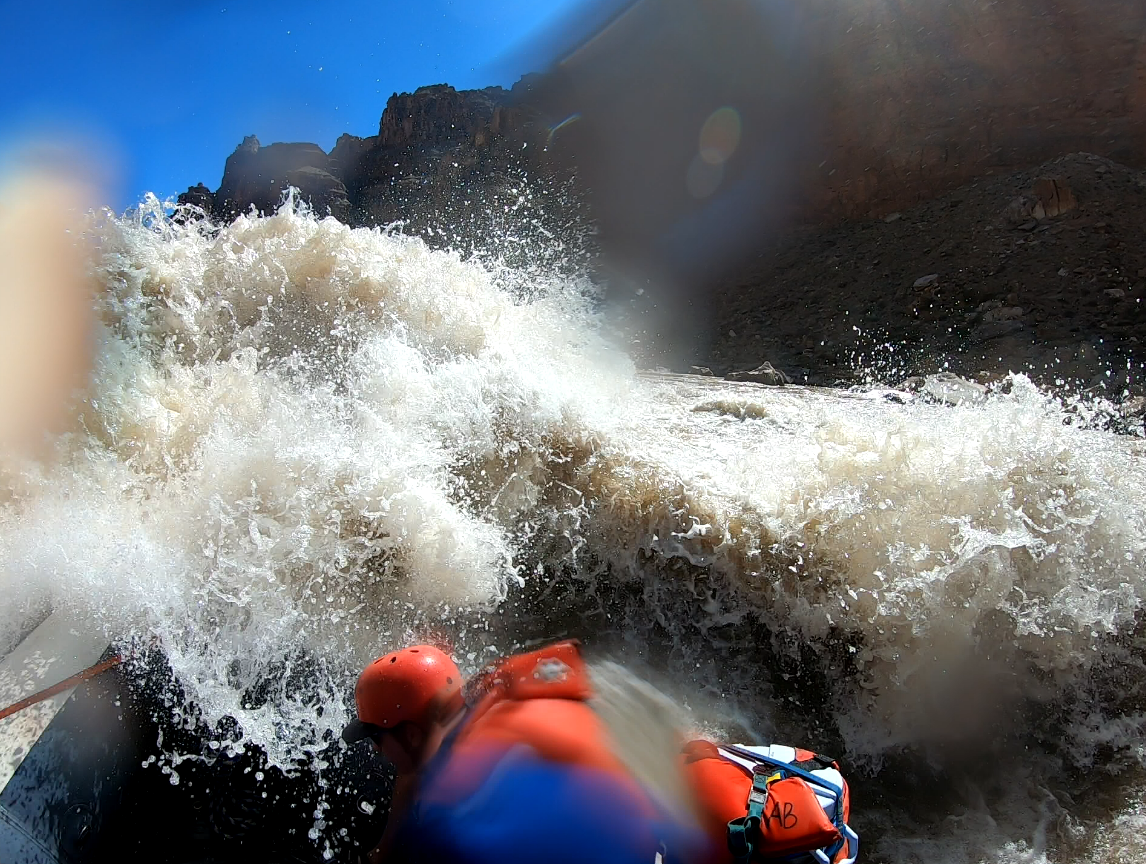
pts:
pixel 720 135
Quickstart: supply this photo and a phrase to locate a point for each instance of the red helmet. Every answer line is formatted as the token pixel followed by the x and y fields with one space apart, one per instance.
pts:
pixel 402 686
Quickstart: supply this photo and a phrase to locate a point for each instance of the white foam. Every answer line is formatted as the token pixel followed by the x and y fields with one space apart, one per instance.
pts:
pixel 284 424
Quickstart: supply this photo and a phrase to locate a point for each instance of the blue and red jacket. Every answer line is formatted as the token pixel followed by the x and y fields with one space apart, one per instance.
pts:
pixel 529 778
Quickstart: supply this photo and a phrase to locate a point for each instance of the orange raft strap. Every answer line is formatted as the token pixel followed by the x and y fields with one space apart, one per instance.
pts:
pixel 66 684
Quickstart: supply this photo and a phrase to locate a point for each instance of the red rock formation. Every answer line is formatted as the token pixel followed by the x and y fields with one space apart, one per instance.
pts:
pixel 436 115
pixel 440 155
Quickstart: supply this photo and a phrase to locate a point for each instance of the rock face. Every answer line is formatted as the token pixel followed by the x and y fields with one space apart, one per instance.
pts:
pixel 199 196
pixel 447 153
pixel 322 189
pixel 921 240
pixel 257 176
pixel 442 159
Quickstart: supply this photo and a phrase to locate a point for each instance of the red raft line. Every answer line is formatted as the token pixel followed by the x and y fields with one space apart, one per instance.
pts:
pixel 67 683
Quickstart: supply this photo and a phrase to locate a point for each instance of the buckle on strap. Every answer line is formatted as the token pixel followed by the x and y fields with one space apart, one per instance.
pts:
pixel 762 777
pixel 742 832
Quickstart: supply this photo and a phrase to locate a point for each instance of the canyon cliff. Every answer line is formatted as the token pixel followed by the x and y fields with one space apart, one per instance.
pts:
pixel 904 103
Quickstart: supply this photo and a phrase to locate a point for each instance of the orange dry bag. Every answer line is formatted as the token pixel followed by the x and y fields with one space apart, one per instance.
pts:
pixel 773 802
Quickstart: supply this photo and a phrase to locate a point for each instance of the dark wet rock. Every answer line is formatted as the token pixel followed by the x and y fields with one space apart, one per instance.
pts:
pixel 765 373
pixel 1047 198
pixel 1020 210
pixel 196 204
pixel 1002 313
pixel 995 329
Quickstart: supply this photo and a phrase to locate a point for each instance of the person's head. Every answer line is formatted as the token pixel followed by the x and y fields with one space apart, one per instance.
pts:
pixel 406 701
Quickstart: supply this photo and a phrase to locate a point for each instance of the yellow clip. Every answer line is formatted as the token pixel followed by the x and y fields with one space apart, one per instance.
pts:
pixel 773 778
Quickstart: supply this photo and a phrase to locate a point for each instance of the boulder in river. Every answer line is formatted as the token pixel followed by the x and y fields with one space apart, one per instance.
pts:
pixel 947 388
pixel 765 373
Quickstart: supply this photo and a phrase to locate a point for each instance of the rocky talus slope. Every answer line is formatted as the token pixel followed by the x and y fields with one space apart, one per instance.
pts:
pixel 1042 271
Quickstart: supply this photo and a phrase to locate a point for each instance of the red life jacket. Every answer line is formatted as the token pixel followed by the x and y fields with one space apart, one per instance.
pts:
pixel 540 700
pixel 799 815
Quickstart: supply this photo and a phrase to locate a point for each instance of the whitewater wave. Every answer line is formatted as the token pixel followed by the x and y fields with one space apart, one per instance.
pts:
pixel 305 444
pixel 280 440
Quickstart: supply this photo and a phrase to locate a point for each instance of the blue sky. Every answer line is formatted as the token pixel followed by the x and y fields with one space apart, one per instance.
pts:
pixel 161 93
